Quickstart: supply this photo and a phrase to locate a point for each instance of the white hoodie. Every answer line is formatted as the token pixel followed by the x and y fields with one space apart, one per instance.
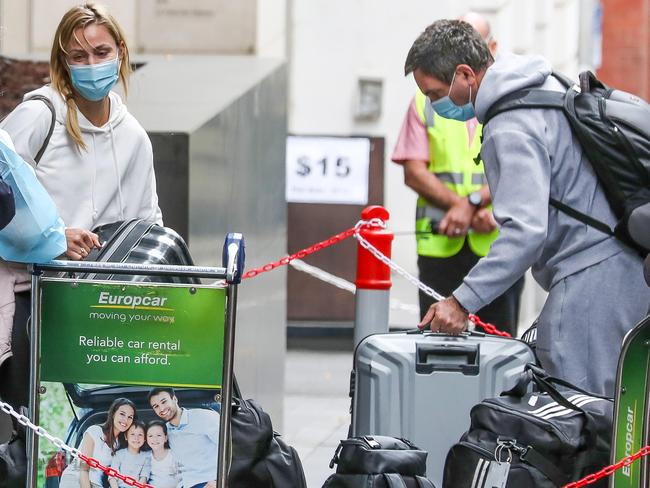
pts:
pixel 112 180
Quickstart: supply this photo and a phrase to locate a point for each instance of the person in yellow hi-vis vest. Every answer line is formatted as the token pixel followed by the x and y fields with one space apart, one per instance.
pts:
pixel 454 223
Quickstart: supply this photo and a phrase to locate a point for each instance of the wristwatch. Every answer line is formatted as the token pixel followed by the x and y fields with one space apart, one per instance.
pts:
pixel 475 198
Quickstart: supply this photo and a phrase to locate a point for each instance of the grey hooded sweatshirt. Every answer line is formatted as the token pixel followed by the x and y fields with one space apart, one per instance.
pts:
pixel 529 156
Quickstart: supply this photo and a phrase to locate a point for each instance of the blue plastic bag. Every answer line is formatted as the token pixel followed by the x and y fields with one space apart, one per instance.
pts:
pixel 36 234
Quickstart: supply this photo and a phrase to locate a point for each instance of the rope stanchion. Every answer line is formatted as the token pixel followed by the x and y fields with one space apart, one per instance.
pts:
pixel 609 470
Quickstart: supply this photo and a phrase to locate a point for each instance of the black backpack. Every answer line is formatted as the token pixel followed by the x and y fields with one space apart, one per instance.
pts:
pixel 537 439
pixel 613 128
pixel 260 458
pixel 378 462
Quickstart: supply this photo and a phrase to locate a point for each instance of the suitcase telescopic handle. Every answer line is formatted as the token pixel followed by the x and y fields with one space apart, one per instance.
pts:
pixel 461 358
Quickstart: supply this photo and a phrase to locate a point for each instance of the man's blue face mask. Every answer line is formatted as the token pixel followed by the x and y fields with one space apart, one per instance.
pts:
pixel 94 81
pixel 446 108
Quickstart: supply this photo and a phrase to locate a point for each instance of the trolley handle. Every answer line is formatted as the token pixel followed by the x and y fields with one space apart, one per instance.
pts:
pixel 234 257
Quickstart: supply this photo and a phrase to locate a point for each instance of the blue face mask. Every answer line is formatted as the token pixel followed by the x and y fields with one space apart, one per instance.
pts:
pixel 94 81
pixel 446 108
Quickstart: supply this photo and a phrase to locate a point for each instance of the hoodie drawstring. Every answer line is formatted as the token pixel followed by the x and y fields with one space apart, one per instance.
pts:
pixel 117 172
pixel 93 180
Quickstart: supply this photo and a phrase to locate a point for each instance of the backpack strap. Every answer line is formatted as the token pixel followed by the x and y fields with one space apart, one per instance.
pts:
pixel 423 482
pixel 538 98
pixel 50 106
pixel 529 98
pixel 584 218
pixel 394 480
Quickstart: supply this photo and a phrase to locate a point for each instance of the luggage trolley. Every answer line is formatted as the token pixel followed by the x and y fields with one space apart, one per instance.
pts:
pixel 231 271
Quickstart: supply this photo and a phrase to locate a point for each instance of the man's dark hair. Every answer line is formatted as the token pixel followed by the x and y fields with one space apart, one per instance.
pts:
pixel 443 46
pixel 160 389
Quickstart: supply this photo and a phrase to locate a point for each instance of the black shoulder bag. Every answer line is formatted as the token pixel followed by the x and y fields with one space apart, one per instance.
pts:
pixel 378 462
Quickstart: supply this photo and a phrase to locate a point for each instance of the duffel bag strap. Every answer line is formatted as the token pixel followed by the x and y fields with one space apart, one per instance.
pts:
pixel 539 372
pixel 394 480
pixel 537 375
pixel 548 469
pixel 424 482
pixel 547 384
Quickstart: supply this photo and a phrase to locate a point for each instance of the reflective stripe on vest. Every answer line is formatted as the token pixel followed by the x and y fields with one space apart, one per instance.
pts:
pixel 451 159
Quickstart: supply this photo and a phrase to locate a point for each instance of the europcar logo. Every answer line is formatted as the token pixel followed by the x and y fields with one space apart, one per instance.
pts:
pixel 132 301
pixel 121 308
pixel 629 437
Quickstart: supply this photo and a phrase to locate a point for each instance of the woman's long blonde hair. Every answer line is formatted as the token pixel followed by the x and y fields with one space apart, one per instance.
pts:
pixel 76 17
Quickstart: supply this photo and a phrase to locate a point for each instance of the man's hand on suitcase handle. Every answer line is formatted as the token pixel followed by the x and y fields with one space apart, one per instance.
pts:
pixel 447 316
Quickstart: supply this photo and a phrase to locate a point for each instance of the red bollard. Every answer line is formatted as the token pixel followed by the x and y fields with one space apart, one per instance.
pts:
pixel 373 278
pixel 372 274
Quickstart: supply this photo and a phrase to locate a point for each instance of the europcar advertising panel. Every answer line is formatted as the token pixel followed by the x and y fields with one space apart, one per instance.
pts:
pixel 132 334
pixel 104 347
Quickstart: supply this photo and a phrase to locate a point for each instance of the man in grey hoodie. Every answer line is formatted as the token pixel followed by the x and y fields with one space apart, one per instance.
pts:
pixel 595 283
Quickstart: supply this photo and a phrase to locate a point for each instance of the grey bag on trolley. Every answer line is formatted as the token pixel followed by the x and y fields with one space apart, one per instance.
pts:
pixel 142 242
pixel 422 386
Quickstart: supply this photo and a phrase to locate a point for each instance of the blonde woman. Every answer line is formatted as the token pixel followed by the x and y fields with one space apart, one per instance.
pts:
pixel 90 154
pixel 98 163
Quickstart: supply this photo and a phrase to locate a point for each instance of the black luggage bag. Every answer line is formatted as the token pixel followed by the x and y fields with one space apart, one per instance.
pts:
pixel 540 439
pixel 260 458
pixel 378 462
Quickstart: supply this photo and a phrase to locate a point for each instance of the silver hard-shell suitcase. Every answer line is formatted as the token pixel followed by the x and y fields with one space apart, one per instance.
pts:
pixel 422 386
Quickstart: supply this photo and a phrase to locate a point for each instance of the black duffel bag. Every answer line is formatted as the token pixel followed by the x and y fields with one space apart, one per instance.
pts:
pixel 544 438
pixel 260 458
pixel 13 460
pixel 378 462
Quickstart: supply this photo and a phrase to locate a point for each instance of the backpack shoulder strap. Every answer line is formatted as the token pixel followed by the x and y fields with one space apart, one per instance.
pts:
pixel 394 480
pixel 529 98
pixel 50 106
pixel 584 218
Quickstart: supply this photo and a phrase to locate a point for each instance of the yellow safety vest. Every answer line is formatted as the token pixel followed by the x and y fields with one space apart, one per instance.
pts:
pixel 451 159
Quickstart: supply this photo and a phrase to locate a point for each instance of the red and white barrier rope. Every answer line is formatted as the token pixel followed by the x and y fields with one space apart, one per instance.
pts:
pixel 301 254
pixel 93 463
pixel 609 470
pixel 346 285
pixel 356 233
pixel 396 267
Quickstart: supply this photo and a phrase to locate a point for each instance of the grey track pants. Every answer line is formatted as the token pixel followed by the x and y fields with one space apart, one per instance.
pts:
pixel 585 318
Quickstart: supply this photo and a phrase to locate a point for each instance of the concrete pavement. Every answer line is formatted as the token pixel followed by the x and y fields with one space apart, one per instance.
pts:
pixel 316 407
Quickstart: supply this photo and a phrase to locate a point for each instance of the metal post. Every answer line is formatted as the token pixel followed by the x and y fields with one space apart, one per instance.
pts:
pixel 226 389
pixel 373 279
pixel 233 261
pixel 34 380
pixel 132 269
pixel 371 313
